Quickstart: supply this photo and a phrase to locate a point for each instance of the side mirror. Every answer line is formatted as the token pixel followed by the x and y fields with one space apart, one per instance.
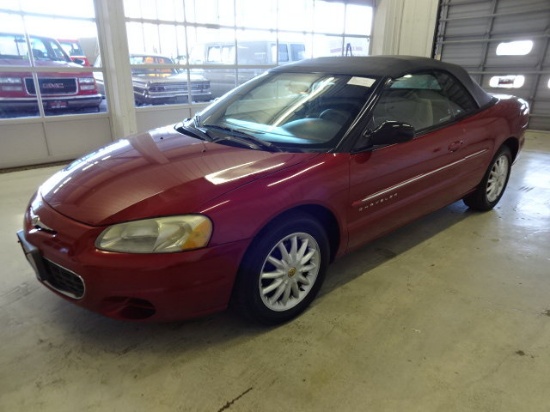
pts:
pixel 391 132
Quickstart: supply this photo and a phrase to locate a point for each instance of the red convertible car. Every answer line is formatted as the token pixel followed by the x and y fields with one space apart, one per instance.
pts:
pixel 248 202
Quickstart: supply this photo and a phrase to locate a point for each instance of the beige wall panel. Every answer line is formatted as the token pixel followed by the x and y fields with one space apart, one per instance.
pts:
pixel 22 144
pixel 73 138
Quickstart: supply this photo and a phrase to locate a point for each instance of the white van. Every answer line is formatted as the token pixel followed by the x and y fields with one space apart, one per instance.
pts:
pixel 254 53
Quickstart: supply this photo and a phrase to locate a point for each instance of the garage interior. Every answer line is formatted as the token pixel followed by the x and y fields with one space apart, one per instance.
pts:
pixel 449 313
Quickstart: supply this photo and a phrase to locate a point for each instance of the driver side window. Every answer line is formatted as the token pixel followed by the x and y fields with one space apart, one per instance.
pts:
pixel 422 100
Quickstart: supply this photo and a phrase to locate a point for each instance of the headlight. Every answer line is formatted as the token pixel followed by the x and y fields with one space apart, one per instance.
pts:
pixel 86 80
pixel 10 80
pixel 158 235
pixel 86 83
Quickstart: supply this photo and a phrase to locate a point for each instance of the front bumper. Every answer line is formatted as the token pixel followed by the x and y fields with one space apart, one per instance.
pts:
pixel 153 287
pixel 50 103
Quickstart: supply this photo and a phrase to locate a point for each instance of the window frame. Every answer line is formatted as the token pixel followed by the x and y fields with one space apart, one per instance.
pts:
pixel 204 36
pixel 436 74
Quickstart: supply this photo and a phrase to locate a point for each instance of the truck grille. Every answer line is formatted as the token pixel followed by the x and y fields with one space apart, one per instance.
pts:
pixel 200 86
pixel 168 87
pixel 52 86
pixel 178 87
pixel 63 280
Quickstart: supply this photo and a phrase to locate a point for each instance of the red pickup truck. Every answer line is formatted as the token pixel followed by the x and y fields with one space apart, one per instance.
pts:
pixel 59 88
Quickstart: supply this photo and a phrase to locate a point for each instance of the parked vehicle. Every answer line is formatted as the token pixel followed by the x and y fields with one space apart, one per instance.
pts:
pixel 258 52
pixel 59 89
pixel 161 85
pixel 248 202
pixel 73 48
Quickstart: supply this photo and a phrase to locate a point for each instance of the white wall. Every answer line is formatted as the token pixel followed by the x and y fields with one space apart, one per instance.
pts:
pixel 404 27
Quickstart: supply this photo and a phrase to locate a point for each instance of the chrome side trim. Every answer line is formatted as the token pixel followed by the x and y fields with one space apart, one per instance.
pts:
pixel 393 189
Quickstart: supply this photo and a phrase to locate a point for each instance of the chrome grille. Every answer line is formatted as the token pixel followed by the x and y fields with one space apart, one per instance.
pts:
pixel 52 86
pixel 168 87
pixel 200 86
pixel 63 280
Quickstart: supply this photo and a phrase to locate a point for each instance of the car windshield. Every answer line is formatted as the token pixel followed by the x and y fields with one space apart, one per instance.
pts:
pixel 71 47
pixel 15 46
pixel 301 111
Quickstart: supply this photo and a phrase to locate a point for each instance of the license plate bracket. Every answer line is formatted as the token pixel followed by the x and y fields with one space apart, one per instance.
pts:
pixel 58 104
pixel 33 257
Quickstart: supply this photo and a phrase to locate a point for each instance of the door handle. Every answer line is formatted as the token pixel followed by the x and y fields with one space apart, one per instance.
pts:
pixel 454 146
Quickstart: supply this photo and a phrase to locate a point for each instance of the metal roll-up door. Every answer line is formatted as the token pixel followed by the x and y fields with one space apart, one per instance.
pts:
pixel 504 45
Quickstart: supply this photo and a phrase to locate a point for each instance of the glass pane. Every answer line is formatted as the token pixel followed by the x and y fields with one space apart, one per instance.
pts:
pixel 358 19
pixel 423 100
pixel 294 110
pixel 211 46
pixel 294 15
pixel 156 81
pixel 327 45
pixel 62 45
pixel 164 39
pixel 355 46
pixel 250 15
pixel 221 80
pixel 11 23
pixel 299 45
pixel 60 92
pixel 256 48
pixel 132 8
pixel 329 17
pixel 80 8
pixel 167 10
pixel 245 75
pixel 210 11
pixel 10 5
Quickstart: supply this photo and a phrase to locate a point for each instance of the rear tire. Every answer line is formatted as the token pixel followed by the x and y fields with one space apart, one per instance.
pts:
pixel 493 184
pixel 283 270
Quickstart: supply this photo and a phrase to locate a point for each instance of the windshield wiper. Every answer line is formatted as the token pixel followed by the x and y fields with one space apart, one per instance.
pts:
pixel 229 132
pixel 194 130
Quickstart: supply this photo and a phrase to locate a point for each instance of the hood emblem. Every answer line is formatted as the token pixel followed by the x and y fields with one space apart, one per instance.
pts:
pixel 38 224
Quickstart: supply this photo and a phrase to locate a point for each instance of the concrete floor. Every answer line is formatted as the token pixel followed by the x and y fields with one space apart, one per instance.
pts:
pixel 451 313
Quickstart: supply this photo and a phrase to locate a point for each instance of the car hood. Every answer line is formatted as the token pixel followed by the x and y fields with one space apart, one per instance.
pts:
pixel 38 63
pixel 157 173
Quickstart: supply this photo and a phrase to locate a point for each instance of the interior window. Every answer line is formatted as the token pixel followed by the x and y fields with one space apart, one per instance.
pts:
pixel 298 51
pixel 423 100
pixel 214 55
pixel 283 53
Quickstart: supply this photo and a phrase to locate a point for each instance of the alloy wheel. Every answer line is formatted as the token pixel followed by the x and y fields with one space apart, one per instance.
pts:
pixel 497 178
pixel 289 271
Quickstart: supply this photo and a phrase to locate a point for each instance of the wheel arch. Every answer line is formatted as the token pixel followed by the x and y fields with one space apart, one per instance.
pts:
pixel 323 215
pixel 241 289
pixel 513 144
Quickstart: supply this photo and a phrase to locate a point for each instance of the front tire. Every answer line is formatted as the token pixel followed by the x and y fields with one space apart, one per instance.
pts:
pixel 493 184
pixel 283 270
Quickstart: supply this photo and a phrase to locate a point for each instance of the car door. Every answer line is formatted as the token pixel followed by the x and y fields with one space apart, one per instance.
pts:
pixel 391 185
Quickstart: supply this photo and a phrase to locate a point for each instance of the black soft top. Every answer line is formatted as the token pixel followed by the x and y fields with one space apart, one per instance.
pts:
pixel 387 66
